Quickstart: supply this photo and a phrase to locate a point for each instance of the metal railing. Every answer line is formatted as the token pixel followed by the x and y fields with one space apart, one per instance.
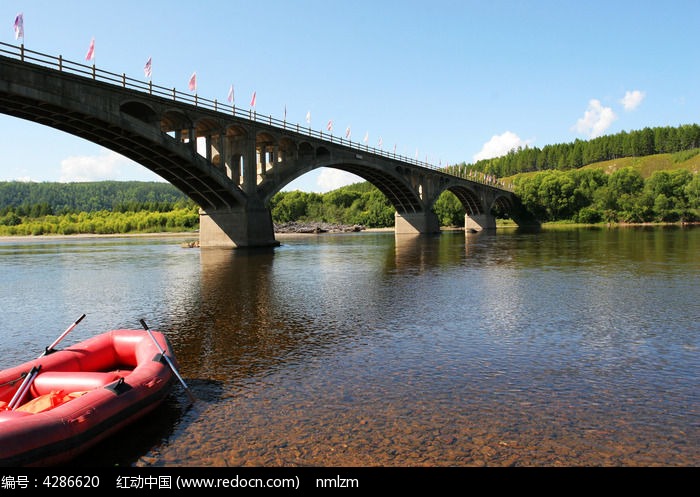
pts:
pixel 122 80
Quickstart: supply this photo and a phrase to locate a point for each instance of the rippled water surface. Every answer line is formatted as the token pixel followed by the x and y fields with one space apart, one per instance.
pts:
pixel 573 347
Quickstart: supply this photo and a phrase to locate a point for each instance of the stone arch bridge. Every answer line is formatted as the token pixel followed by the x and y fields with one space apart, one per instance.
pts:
pixel 229 161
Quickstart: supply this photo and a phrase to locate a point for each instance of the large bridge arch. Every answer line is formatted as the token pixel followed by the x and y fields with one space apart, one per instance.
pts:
pixel 478 214
pixel 394 187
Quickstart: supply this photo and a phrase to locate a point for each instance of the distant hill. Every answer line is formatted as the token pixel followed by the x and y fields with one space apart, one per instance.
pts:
pixel 90 196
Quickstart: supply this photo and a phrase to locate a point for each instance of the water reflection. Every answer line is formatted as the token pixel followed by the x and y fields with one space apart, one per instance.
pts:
pixel 571 347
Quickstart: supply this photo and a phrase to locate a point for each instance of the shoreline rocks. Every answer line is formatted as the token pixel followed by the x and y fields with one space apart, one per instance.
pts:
pixel 317 227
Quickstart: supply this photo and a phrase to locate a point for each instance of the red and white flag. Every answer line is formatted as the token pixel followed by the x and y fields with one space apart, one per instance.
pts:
pixel 230 94
pixel 308 117
pixel 252 100
pixel 366 138
pixel 147 68
pixel 91 50
pixel 19 26
pixel 193 82
pixel 329 126
pixel 347 132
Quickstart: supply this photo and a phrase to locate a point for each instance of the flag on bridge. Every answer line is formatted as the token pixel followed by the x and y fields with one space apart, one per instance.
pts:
pixel 252 100
pixel 19 26
pixel 230 95
pixel 308 117
pixel 91 51
pixel 347 132
pixel 366 137
pixel 329 126
pixel 147 68
pixel 193 81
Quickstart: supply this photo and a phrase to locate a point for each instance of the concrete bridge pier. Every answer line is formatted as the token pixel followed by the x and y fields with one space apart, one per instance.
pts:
pixel 236 227
pixel 416 222
pixel 479 222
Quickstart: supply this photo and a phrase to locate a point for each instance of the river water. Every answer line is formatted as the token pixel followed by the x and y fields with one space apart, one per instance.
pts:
pixel 567 347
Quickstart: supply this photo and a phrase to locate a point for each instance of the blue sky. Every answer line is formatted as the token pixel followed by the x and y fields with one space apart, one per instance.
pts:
pixel 443 81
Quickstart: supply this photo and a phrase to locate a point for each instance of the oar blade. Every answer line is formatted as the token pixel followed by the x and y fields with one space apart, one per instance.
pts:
pixel 172 367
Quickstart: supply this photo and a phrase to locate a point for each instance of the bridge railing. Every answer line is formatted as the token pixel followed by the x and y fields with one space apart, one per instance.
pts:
pixel 92 72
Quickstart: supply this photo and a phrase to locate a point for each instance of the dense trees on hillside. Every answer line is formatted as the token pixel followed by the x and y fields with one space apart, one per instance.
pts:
pixel 59 198
pixel 591 196
pixel 567 156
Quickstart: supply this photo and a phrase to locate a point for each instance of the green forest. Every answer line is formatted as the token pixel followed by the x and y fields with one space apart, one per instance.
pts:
pixel 105 207
pixel 644 176
pixel 567 156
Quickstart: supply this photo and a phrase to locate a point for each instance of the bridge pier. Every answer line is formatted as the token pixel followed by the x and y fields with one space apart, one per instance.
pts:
pixel 417 222
pixel 479 222
pixel 236 228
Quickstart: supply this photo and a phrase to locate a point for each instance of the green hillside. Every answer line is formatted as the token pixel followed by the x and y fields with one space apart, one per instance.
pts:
pixel 646 166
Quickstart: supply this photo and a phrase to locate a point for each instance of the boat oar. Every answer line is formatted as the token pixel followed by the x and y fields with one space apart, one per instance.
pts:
pixel 167 359
pixel 50 348
pixel 23 388
pixel 27 382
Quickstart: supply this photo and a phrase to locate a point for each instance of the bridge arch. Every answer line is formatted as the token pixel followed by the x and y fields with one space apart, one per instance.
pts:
pixel 174 121
pixel 140 111
pixel 468 198
pixel 399 192
pixel 322 154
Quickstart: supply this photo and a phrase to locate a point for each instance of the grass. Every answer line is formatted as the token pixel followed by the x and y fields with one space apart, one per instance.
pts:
pixel 648 165
pixel 689 160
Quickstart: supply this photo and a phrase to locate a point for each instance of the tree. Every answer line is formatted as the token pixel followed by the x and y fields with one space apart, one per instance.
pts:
pixel 449 210
pixel 289 206
pixel 692 192
pixel 626 181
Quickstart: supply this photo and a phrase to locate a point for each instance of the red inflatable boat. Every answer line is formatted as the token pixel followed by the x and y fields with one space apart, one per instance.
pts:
pixel 58 405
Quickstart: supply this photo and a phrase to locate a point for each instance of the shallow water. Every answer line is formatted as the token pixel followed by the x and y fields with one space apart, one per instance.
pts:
pixel 560 348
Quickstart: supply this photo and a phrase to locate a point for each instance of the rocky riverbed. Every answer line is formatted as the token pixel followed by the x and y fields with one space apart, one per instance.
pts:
pixel 317 227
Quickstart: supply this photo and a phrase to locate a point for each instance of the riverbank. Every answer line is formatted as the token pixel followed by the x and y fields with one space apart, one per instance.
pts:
pixel 302 229
pixel 280 230
pixel 20 238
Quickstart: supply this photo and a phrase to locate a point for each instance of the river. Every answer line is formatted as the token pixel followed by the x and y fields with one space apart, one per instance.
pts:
pixel 566 347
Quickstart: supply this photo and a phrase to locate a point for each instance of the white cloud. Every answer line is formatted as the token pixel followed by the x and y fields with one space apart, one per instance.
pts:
pixel 110 166
pixel 632 99
pixel 330 179
pixel 595 120
pixel 500 145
